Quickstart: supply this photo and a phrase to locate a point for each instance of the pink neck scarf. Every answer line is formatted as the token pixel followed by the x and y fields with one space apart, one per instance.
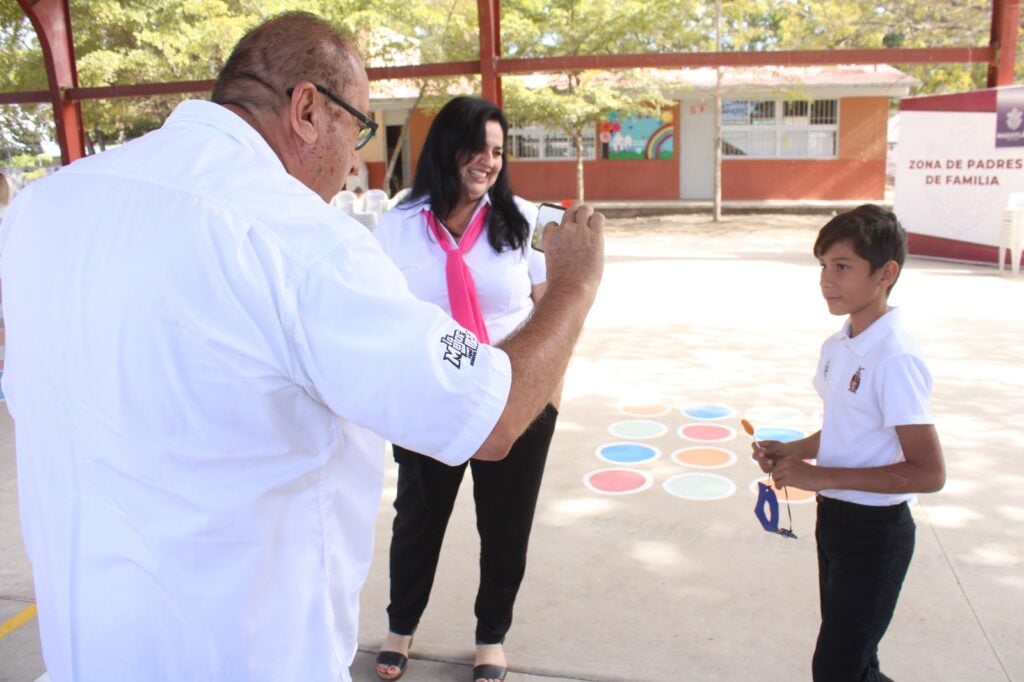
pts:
pixel 461 287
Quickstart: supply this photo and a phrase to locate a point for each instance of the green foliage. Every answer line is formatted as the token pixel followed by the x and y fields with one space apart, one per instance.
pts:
pixel 144 41
pixel 574 101
pixel 21 69
pixel 851 24
pixel 141 41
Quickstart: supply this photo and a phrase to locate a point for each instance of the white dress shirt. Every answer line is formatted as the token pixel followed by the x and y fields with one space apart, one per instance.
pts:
pixel 202 360
pixel 504 279
pixel 870 384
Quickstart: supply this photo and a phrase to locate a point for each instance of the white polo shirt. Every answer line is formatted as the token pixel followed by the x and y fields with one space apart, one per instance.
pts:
pixel 202 360
pixel 504 279
pixel 870 384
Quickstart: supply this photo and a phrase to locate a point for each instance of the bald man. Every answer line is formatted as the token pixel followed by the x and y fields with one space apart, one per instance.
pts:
pixel 203 360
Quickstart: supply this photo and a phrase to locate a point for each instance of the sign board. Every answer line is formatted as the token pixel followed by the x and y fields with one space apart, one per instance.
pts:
pixel 957 168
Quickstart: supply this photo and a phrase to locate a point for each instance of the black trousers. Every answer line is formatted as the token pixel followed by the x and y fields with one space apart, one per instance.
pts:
pixel 863 556
pixel 505 494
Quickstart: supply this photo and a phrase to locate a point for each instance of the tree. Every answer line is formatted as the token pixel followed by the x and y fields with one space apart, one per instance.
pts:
pixel 409 34
pixel 832 24
pixel 573 101
pixel 144 41
pixel 21 68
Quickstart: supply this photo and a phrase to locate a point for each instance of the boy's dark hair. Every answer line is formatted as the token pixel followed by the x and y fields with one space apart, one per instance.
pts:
pixel 874 233
pixel 457 133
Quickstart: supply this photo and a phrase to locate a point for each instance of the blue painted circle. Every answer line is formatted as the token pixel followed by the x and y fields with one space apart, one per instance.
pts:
pixel 627 453
pixel 708 411
pixel 780 434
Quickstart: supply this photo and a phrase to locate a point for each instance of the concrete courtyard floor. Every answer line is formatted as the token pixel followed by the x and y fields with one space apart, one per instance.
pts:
pixel 653 586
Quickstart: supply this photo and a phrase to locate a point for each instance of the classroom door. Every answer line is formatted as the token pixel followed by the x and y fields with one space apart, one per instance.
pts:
pixel 697 149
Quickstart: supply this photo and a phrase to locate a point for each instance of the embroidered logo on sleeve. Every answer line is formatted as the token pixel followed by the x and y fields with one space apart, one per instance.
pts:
pixel 828 363
pixel 855 380
pixel 458 345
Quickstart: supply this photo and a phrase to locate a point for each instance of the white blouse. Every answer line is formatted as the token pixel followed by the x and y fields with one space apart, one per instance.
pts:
pixel 504 280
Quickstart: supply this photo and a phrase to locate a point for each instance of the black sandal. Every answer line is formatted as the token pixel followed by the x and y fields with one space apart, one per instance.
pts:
pixel 489 672
pixel 391 659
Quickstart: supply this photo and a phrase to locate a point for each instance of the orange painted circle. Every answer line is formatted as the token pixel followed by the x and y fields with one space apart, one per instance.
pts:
pixel 645 410
pixel 704 457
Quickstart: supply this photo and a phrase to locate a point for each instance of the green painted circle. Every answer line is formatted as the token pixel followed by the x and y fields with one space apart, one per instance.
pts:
pixel 699 486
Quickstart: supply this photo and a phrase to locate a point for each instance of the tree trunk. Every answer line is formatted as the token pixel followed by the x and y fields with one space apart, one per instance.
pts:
pixel 578 139
pixel 401 138
pixel 716 211
pixel 395 154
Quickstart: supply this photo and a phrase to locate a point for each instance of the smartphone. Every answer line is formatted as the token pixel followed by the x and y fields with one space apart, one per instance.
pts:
pixel 549 213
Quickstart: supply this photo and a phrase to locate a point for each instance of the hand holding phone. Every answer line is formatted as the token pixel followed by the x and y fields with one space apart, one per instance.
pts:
pixel 549 213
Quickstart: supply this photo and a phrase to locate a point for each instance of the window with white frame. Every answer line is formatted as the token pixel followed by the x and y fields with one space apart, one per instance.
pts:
pixel 780 129
pixel 537 143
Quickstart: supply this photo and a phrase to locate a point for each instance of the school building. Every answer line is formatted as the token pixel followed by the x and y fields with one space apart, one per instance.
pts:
pixel 787 133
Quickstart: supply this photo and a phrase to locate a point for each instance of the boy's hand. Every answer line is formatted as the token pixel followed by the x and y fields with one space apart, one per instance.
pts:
pixel 800 474
pixel 768 453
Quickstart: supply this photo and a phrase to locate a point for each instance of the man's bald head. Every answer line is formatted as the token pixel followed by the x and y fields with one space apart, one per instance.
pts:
pixel 280 79
pixel 277 54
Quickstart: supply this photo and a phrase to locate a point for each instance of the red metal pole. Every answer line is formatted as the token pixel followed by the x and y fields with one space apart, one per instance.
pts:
pixel 488 12
pixel 1005 23
pixel 52 21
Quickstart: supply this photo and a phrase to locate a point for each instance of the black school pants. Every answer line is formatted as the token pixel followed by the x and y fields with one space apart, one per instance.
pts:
pixel 505 494
pixel 863 555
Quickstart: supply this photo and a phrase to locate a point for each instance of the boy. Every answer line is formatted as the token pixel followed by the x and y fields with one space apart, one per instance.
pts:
pixel 877 445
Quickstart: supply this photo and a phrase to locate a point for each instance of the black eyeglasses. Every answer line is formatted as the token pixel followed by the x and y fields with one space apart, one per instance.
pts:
pixel 367 126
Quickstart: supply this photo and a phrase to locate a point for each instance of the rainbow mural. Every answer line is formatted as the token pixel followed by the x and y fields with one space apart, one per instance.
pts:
pixel 627 136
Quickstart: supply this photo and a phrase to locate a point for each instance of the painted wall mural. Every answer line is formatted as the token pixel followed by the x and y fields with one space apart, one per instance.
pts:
pixel 627 136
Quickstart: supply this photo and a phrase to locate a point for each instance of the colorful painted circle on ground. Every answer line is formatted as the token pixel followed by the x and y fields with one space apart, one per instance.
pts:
pixel 628 453
pixel 708 412
pixel 644 409
pixel 773 415
pixel 699 486
pixel 638 429
pixel 706 433
pixel 704 457
pixel 618 481
pixel 781 434
pixel 796 495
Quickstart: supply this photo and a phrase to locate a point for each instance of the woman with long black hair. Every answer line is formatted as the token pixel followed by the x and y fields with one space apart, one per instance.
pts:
pixel 462 239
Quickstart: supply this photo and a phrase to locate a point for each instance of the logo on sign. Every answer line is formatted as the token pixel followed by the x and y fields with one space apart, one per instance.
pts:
pixel 1010 117
pixel 1013 118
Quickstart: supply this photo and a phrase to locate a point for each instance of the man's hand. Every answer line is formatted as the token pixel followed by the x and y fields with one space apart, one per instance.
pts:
pixel 539 350
pixel 574 249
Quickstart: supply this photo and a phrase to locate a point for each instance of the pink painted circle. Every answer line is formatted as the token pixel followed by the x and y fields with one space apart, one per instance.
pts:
pixel 706 433
pixel 618 481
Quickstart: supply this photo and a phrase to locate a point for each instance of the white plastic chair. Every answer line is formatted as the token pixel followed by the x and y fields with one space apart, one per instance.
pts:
pixel 367 218
pixel 344 200
pixel 1011 239
pixel 375 201
pixel 399 195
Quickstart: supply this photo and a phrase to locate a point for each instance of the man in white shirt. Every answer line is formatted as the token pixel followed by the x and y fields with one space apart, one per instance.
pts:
pixel 202 360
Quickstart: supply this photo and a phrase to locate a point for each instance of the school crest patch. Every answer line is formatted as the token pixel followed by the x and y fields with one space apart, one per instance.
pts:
pixel 855 380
